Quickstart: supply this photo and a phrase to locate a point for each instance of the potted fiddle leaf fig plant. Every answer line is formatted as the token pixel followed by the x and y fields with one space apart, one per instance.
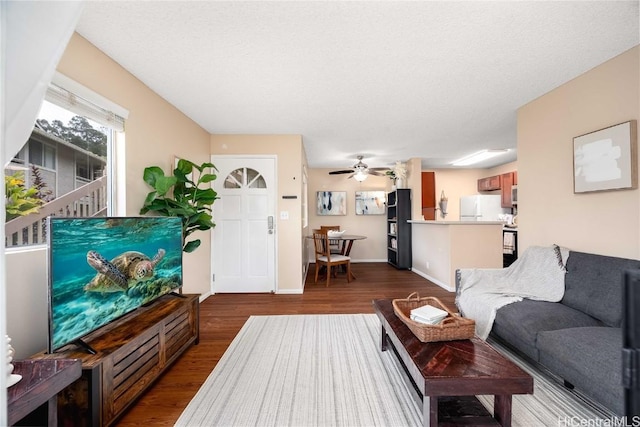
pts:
pixel 181 195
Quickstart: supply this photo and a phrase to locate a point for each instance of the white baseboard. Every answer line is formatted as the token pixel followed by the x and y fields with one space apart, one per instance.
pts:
pixel 355 261
pixel 433 279
pixel 289 291
pixel 279 291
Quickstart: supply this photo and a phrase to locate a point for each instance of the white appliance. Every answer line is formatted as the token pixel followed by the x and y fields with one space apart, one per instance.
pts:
pixel 482 207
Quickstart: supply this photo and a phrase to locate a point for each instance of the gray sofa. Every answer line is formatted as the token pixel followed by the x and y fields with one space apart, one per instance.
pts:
pixel 579 338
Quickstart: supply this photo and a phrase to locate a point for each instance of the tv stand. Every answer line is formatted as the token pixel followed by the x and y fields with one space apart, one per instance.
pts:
pixel 130 354
pixel 83 345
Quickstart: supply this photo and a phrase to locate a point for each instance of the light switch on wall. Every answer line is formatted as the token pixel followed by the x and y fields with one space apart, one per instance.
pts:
pixel 284 215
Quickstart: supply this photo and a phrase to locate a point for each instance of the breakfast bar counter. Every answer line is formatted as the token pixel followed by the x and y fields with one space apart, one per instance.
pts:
pixel 441 247
pixel 443 222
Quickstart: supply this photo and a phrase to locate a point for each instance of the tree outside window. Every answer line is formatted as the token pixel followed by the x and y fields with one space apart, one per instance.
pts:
pixel 64 152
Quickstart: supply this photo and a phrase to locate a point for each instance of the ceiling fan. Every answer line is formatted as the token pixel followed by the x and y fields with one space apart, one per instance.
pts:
pixel 360 171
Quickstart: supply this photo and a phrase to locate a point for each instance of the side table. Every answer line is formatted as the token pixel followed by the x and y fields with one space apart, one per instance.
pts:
pixel 41 381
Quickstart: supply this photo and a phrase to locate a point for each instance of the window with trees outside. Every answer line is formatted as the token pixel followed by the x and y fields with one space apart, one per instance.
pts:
pixel 66 168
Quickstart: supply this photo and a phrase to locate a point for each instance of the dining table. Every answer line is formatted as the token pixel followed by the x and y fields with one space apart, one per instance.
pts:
pixel 346 242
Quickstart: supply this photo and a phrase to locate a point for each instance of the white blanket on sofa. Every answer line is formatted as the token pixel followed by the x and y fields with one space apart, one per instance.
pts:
pixel 538 275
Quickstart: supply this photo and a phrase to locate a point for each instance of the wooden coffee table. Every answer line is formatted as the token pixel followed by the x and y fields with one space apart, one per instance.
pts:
pixel 447 375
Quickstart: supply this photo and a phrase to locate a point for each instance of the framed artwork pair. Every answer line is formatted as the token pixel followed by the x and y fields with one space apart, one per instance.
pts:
pixel 335 202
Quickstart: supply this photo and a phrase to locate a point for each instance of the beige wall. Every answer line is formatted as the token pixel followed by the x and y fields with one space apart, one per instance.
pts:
pixel 291 158
pixel 604 222
pixel 499 170
pixel 373 226
pixel 455 183
pixel 414 182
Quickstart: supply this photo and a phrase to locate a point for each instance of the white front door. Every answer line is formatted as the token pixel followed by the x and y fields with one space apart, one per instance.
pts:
pixel 243 240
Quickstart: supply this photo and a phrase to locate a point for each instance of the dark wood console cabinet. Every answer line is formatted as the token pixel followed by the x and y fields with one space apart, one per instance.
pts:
pixel 131 353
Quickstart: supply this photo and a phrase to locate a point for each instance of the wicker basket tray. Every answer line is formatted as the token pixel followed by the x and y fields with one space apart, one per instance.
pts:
pixel 452 327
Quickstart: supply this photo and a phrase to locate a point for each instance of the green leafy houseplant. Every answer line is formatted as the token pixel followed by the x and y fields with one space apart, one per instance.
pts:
pixel 180 196
pixel 20 200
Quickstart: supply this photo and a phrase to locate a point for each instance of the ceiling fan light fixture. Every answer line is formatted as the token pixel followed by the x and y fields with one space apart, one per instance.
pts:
pixel 478 157
pixel 360 171
pixel 360 175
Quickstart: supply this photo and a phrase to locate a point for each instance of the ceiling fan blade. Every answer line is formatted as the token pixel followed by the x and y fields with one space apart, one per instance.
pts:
pixel 379 169
pixel 341 171
pixel 376 173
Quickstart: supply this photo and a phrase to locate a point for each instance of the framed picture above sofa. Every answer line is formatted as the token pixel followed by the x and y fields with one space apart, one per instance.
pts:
pixel 606 159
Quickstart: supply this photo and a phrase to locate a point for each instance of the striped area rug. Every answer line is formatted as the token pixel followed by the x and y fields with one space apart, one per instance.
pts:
pixel 304 370
pixel 328 370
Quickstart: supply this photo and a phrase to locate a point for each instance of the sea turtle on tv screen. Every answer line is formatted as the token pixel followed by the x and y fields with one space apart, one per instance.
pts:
pixel 122 272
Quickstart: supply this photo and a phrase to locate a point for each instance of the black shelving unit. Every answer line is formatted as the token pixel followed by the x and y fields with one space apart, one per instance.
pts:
pixel 398 229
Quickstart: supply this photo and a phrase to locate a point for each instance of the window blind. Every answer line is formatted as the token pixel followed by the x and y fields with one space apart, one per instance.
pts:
pixel 77 104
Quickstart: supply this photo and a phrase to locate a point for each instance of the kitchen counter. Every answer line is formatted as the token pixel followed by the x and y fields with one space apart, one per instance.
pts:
pixel 441 247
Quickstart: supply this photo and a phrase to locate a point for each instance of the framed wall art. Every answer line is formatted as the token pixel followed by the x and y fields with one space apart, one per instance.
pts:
pixel 370 202
pixel 606 159
pixel 331 203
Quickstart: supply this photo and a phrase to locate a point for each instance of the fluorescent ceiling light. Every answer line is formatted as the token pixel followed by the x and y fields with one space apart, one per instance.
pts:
pixel 360 175
pixel 478 157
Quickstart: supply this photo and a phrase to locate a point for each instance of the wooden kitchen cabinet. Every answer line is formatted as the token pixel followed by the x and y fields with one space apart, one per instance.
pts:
pixel 489 183
pixel 429 195
pixel 502 182
pixel 505 189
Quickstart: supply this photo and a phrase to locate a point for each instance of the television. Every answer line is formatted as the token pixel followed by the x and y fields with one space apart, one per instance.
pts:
pixel 102 268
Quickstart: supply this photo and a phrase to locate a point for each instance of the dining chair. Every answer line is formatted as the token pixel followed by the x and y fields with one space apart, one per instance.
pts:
pixel 334 245
pixel 325 258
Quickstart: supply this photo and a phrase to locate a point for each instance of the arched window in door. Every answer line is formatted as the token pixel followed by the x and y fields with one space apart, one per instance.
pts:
pixel 245 177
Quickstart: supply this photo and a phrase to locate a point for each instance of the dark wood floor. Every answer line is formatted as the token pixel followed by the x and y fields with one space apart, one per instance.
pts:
pixel 222 316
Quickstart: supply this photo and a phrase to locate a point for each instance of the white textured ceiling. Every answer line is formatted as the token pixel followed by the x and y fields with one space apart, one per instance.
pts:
pixel 387 80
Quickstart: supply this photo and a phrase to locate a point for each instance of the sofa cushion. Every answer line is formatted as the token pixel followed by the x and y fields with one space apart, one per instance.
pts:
pixel 589 358
pixel 519 323
pixel 593 284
